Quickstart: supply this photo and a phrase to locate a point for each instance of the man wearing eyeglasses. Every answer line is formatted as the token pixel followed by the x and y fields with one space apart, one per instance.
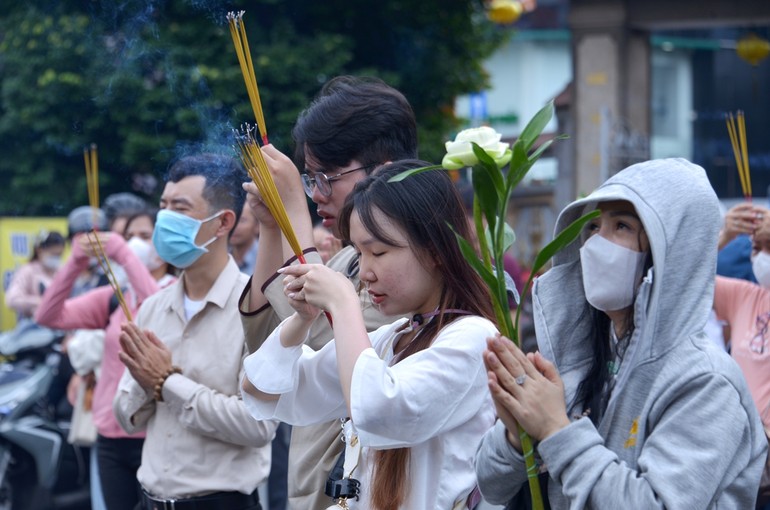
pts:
pixel 351 128
pixel 318 181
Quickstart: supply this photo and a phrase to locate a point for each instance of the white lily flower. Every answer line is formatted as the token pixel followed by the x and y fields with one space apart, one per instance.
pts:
pixel 459 153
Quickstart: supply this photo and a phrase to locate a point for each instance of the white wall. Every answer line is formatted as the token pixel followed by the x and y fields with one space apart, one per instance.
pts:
pixel 671 104
pixel 525 73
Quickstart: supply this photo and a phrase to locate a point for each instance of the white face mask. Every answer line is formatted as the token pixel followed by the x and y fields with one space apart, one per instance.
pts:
pixel 145 252
pixel 51 262
pixel 760 264
pixel 611 273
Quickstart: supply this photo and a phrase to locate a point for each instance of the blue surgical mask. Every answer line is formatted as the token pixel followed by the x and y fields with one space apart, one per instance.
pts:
pixel 174 238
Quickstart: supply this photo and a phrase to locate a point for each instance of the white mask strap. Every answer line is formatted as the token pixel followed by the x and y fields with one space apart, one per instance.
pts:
pixel 220 213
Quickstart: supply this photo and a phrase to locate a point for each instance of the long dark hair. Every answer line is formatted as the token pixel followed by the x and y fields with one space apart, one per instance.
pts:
pixel 592 393
pixel 426 207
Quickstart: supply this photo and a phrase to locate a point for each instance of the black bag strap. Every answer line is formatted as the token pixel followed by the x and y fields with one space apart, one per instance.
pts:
pixel 335 474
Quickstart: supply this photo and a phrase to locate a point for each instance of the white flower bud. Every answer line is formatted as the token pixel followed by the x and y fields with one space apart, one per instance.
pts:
pixel 460 152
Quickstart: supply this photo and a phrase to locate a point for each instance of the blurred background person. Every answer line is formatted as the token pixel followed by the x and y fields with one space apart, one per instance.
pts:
pixel 325 242
pixel 84 219
pixel 67 381
pixel 119 207
pixel 244 241
pixel 745 308
pixel 735 258
pixel 30 280
pixel 118 453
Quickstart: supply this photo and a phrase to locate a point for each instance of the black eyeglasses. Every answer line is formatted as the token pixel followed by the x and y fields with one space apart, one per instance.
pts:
pixel 324 182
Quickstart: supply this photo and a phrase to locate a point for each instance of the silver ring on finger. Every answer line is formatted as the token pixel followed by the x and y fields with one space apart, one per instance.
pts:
pixel 520 380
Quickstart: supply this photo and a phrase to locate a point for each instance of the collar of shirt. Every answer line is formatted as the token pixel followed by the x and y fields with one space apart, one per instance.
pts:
pixel 218 294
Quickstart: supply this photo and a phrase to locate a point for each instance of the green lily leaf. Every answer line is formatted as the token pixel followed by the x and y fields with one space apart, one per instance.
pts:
pixel 536 125
pixel 539 151
pixel 486 195
pixel 518 160
pixel 407 173
pixel 509 237
pixel 515 176
pixel 488 164
pixel 565 237
pixel 470 256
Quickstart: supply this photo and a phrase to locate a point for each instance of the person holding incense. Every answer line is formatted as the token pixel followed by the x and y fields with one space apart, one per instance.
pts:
pixel 118 453
pixel 745 308
pixel 184 354
pixel 630 405
pixel 414 389
pixel 352 127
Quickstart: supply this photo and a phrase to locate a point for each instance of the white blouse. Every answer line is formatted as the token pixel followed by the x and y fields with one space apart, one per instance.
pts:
pixel 436 402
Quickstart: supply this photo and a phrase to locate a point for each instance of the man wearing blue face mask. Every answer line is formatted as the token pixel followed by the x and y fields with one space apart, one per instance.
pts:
pixel 184 354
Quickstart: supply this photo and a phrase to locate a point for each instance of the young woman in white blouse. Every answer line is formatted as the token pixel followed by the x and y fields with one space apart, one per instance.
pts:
pixel 415 390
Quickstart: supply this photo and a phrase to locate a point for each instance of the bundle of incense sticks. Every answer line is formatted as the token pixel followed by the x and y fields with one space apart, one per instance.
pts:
pixel 92 179
pixel 238 33
pixel 740 150
pixel 104 263
pixel 254 161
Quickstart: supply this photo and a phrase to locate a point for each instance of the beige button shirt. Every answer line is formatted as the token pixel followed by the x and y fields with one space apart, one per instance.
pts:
pixel 200 439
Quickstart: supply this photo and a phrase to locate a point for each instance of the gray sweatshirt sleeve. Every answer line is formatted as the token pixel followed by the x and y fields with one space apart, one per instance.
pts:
pixel 680 465
pixel 500 468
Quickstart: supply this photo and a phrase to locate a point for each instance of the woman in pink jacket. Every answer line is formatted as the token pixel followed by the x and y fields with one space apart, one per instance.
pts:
pixel 119 454
pixel 30 280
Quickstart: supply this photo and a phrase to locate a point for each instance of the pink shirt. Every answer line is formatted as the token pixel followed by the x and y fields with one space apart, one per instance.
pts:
pixel 25 289
pixel 745 306
pixel 91 311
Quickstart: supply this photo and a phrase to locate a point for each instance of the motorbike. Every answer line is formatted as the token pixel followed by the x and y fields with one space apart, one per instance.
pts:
pixel 39 469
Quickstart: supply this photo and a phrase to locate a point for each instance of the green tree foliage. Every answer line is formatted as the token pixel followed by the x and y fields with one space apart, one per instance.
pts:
pixel 146 80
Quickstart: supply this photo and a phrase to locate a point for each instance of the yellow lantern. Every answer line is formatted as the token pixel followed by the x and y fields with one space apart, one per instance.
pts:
pixel 753 49
pixel 504 12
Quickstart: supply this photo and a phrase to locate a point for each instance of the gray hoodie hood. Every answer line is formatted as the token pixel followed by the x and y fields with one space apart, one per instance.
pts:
pixel 680 430
pixel 680 214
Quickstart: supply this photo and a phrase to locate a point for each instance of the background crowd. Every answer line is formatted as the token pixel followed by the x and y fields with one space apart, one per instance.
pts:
pixel 223 353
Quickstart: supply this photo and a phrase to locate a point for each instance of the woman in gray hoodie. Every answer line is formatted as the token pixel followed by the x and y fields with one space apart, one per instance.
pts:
pixel 629 404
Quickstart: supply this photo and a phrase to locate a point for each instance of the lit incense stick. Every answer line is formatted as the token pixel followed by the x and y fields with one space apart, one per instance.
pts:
pixel 255 164
pixel 238 33
pixel 92 180
pixel 104 262
pixel 740 150
pixel 254 161
pixel 744 151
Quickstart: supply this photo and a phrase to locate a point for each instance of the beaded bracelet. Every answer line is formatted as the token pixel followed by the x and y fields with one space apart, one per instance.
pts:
pixel 158 393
